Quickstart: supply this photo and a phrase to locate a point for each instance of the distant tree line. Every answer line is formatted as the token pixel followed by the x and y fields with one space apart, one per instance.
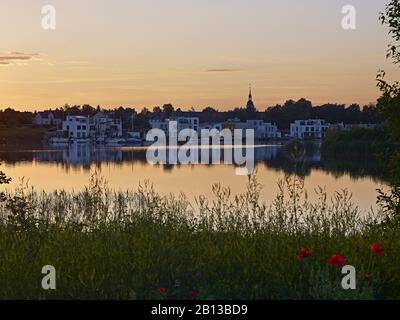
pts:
pixel 332 113
pixel 282 115
pixel 10 117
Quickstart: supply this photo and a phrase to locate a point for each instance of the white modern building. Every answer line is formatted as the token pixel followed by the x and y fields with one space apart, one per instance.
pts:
pixel 76 127
pixel 211 126
pixel 262 130
pixel 100 126
pixel 312 129
pixel 178 124
pixel 159 124
pixel 103 126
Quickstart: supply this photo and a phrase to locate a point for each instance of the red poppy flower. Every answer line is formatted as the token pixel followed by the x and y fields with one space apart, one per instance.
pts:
pixel 377 249
pixel 336 260
pixel 366 277
pixel 303 253
pixel 161 290
pixel 193 294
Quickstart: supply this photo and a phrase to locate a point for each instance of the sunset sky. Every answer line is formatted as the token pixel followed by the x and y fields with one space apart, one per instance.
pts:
pixel 191 53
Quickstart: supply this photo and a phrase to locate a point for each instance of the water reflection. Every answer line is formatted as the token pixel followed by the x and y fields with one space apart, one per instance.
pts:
pixel 273 157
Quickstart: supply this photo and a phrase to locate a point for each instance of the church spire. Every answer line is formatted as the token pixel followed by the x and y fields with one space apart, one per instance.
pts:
pixel 250 95
pixel 250 105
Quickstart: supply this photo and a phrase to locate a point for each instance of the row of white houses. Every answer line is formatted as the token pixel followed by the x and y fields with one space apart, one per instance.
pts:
pixel 262 130
pixel 317 128
pixel 100 126
pixel 313 129
pixel 300 129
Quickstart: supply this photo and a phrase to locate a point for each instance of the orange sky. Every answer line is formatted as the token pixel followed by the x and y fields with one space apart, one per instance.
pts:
pixel 189 53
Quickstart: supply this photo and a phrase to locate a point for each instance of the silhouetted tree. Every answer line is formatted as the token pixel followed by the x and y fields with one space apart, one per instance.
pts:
pixel 157 110
pixel 3 180
pixel 209 110
pixel 168 109
pixel 389 106
pixel 88 110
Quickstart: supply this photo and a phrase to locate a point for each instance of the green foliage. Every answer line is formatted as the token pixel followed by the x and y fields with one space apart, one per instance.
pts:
pixel 389 106
pixel 124 245
pixel 357 143
pixel 391 18
pixel 358 151
pixel 3 180
pixel 391 205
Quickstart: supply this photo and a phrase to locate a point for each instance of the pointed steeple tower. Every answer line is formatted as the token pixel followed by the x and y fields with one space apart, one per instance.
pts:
pixel 250 95
pixel 250 105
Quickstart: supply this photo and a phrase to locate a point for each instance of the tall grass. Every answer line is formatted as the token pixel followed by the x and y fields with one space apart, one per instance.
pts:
pixel 124 245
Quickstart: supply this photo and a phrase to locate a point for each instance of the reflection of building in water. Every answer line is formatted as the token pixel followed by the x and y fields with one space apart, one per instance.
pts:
pixel 314 157
pixel 48 156
pixel 269 153
pixel 278 158
pixel 77 154
pixel 85 154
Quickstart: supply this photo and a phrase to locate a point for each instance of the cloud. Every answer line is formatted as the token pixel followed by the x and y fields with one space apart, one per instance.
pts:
pixel 15 57
pixel 77 63
pixel 81 65
pixel 222 70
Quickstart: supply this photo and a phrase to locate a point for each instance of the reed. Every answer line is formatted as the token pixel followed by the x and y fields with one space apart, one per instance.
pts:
pixel 138 244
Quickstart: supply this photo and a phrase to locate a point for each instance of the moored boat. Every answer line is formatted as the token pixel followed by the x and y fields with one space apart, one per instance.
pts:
pixel 115 142
pixel 57 141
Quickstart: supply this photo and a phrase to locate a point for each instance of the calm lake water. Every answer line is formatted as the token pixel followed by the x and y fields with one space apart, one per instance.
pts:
pixel 125 168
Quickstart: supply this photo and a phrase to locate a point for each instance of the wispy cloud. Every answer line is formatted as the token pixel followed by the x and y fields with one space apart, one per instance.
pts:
pixel 15 57
pixel 222 70
pixel 78 64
